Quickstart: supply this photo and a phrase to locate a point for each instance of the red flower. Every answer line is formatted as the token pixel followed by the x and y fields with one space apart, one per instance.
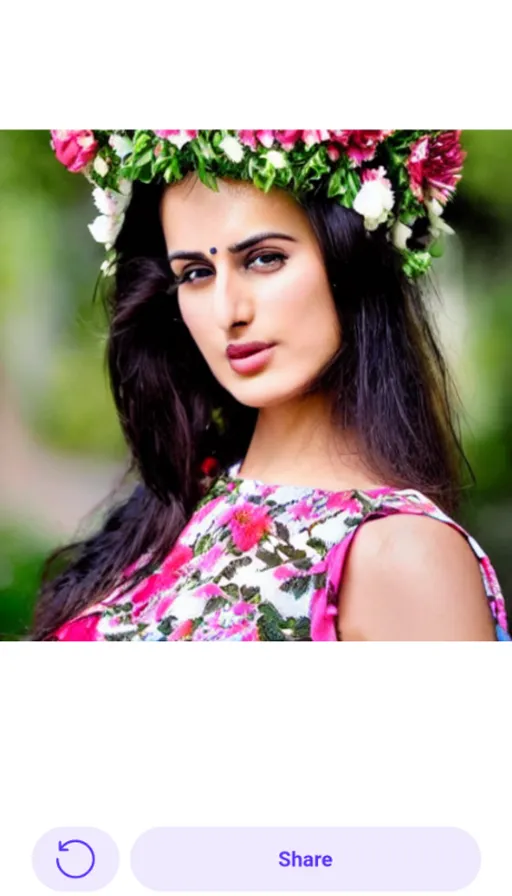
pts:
pixel 360 145
pixel 435 165
pixel 209 466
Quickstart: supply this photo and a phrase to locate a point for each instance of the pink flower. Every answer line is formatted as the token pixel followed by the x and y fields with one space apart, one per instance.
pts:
pixel 83 628
pixel 179 556
pixel 177 138
pixel 162 580
pixel 251 138
pixel 236 623
pixel 209 590
pixel 209 559
pixel 248 138
pixel 302 509
pixel 338 501
pixel 288 139
pixel 435 165
pixel 162 607
pixel 333 152
pixel 312 137
pixel 182 631
pixel 75 149
pixel 360 145
pixel 207 509
pixel 243 607
pixel 248 524
pixel 380 174
pixel 283 573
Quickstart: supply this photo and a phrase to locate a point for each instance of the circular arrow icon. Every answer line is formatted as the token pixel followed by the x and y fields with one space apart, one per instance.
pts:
pixel 64 847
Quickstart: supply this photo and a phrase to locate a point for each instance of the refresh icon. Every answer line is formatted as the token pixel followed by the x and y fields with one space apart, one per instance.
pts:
pixel 89 856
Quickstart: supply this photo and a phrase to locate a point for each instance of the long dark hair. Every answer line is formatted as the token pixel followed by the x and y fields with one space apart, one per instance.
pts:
pixel 388 381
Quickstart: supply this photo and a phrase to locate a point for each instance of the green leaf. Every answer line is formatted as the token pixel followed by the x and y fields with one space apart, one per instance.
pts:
pixel 270 559
pixel 269 631
pixel 291 552
pixel 249 592
pixel 319 579
pixel 437 248
pixel 203 544
pixel 141 160
pixel 271 612
pixel 336 184
pixel 304 563
pixel 229 571
pixel 265 180
pixel 209 180
pixel 282 531
pixel 215 603
pixel 233 590
pixel 296 586
pixel 302 629
pixel 318 545
pixel 270 623
pixel 166 625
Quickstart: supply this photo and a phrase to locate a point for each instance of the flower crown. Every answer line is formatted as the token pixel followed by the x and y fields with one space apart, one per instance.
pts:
pixel 400 180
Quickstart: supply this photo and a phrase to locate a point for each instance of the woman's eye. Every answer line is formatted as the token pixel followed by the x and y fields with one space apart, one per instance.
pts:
pixel 267 259
pixel 192 275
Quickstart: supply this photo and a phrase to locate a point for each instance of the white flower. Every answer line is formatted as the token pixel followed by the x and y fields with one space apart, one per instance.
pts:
pixel 400 234
pixel 123 146
pixel 125 188
pixel 276 158
pixel 112 206
pixel 232 148
pixel 179 140
pixel 103 229
pixel 100 166
pixel 374 202
pixel 437 224
pixel 104 200
pixel 110 202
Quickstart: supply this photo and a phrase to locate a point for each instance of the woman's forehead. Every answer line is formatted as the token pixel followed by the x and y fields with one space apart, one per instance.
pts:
pixel 192 211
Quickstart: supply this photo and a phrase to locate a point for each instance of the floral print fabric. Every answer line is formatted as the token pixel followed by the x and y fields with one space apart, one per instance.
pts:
pixel 258 562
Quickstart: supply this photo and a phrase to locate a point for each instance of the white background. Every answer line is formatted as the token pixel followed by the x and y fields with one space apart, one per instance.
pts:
pixel 127 737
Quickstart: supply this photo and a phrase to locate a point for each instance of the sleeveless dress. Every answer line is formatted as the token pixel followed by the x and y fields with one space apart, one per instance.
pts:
pixel 258 562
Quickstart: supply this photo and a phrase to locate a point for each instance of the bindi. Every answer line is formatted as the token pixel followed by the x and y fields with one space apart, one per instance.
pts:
pixel 213 251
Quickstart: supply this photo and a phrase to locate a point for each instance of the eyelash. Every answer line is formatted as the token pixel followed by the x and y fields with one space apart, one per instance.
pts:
pixel 183 278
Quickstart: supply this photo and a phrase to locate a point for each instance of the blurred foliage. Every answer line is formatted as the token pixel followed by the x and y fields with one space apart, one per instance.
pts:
pixel 21 561
pixel 53 334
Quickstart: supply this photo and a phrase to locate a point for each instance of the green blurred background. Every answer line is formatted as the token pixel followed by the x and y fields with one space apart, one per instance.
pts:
pixel 61 451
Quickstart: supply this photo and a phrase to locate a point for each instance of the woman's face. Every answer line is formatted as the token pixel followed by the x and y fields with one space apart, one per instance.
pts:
pixel 250 270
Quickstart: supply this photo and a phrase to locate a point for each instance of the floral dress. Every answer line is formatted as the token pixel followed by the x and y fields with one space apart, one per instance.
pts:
pixel 258 562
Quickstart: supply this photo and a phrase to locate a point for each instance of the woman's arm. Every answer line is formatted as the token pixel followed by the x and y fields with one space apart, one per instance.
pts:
pixel 412 578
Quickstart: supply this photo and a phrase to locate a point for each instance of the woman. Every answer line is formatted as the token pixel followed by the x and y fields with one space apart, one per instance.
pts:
pixel 282 393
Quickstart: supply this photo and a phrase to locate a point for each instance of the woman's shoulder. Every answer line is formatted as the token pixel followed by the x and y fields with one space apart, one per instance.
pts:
pixel 406 573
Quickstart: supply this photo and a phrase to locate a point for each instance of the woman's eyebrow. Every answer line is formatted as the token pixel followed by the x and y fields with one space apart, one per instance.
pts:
pixel 235 248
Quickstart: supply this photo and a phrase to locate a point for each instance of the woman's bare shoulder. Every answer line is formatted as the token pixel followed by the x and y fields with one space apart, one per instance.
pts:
pixel 411 577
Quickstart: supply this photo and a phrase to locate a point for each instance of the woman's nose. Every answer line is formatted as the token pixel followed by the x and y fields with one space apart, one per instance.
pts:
pixel 232 299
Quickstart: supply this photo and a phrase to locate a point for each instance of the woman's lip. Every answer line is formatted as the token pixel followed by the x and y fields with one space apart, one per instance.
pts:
pixel 244 351
pixel 252 363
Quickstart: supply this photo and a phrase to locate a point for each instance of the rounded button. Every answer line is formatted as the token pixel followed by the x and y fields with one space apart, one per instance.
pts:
pixel 297 860
pixel 75 859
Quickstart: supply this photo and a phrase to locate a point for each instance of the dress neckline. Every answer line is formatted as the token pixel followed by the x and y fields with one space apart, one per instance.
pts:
pixel 232 474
